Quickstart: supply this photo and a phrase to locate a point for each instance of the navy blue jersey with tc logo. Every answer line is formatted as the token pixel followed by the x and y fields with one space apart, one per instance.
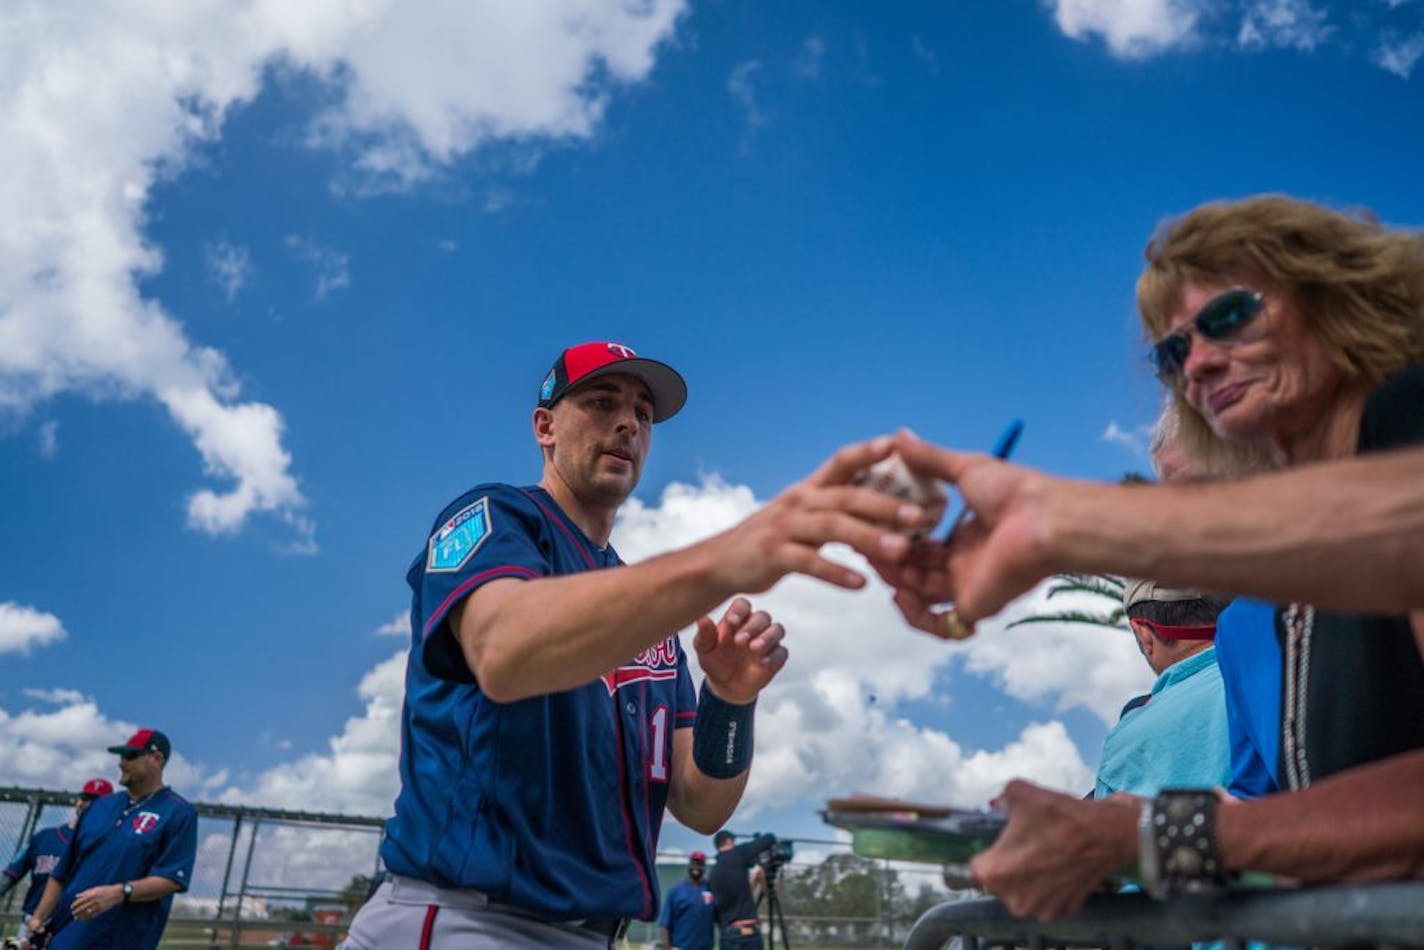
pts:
pixel 551 803
pixel 121 840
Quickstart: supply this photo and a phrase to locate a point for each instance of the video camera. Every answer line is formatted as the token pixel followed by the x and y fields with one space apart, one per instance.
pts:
pixel 778 853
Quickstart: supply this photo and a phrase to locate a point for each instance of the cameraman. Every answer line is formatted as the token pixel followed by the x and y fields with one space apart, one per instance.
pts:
pixel 731 886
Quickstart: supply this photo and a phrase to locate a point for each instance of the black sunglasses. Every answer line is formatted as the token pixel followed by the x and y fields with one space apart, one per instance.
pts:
pixel 1219 321
pixel 128 755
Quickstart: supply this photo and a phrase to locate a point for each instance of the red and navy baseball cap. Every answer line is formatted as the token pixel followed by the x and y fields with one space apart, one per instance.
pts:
pixel 579 364
pixel 145 740
pixel 697 857
pixel 96 788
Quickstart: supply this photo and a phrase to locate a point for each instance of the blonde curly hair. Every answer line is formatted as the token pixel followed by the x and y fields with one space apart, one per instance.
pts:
pixel 1358 284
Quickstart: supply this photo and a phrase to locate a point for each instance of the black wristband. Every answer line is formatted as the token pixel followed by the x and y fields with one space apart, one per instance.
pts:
pixel 1180 854
pixel 722 736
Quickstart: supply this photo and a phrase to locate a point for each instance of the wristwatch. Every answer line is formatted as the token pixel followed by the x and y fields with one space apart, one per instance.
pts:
pixel 1176 841
pixel 128 891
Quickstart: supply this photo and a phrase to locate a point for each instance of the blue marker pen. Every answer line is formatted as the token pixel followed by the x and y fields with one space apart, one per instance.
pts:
pixel 1002 450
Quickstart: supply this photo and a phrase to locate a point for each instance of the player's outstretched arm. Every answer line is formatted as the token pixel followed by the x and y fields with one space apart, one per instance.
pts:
pixel 1346 534
pixel 525 638
pixel 711 761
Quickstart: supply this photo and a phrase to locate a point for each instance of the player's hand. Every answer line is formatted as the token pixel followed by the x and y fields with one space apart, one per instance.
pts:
pixel 93 902
pixel 996 555
pixel 785 536
pixel 1056 849
pixel 740 653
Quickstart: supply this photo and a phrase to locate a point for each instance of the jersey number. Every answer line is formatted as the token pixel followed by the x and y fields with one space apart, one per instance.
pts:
pixel 657 770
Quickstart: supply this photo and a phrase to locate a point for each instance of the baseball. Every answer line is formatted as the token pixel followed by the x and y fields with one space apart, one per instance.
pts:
pixel 893 477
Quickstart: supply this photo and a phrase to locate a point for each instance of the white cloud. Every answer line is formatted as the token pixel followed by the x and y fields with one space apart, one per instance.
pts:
pixel 97 100
pixel 63 747
pixel 1134 440
pixel 1070 664
pixel 1284 24
pixel 333 269
pixel 1131 28
pixel 808 63
pixel 231 266
pixel 743 89
pixel 358 772
pixel 397 626
pixel 48 438
pixel 819 731
pixel 23 628
pixel 1399 55
pixel 924 54
pixel 59 697
pixel 829 723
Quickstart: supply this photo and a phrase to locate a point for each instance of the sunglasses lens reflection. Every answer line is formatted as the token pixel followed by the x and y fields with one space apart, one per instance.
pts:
pixel 1218 321
pixel 1227 314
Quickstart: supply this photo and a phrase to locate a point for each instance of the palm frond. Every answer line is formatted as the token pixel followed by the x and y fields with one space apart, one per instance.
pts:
pixel 1115 620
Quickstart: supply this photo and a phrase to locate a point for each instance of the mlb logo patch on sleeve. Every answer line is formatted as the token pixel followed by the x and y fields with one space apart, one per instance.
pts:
pixel 457 539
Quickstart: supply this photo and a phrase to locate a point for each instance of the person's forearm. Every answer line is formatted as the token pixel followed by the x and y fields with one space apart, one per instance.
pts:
pixel 703 803
pixel 49 900
pixel 696 799
pixel 1347 535
pixel 557 633
pixel 1364 824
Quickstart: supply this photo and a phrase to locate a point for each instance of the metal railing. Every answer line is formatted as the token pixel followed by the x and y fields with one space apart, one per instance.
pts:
pixel 1382 915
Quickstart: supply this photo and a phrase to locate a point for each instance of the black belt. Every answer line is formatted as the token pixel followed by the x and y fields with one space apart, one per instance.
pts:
pixel 611 927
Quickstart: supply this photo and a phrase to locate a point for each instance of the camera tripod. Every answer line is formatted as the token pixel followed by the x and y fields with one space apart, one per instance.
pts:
pixel 774 917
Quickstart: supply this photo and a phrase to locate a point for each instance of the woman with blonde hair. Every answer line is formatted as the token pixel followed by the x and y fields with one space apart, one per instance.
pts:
pixel 1289 333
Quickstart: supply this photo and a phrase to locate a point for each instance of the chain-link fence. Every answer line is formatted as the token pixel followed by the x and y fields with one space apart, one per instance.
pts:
pixel 265 877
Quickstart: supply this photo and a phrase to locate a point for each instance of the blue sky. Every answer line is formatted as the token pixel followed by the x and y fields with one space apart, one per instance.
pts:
pixel 280 284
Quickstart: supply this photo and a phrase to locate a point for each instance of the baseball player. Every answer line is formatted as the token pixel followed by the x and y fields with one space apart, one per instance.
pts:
pixel 129 854
pixel 549 713
pixel 44 850
pixel 689 917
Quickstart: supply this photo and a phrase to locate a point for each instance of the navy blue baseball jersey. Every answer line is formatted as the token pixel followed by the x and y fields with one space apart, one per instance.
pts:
pixel 117 841
pixel 552 803
pixel 38 859
pixel 690 916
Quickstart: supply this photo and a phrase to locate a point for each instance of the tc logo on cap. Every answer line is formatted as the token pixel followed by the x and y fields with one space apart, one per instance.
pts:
pixel 579 364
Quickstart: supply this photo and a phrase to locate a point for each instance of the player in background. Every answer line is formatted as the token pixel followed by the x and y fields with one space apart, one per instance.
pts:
pixel 737 882
pixel 550 715
pixel 689 919
pixel 44 850
pixel 129 855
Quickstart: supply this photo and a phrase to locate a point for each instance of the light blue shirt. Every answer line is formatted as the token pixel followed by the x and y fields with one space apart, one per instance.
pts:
pixel 1177 738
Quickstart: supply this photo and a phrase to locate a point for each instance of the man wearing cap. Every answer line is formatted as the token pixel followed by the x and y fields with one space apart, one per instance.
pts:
pixel 689 917
pixel 129 855
pixel 550 715
pixel 44 850
pixel 1177 734
pixel 736 882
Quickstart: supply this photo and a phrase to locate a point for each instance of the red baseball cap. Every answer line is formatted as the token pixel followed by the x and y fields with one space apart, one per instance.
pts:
pixel 697 857
pixel 97 788
pixel 145 740
pixel 579 364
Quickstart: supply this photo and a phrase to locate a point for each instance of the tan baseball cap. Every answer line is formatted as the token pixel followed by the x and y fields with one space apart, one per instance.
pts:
pixel 1143 592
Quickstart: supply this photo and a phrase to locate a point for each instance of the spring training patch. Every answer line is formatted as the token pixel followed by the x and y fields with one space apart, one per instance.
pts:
pixel 460 537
